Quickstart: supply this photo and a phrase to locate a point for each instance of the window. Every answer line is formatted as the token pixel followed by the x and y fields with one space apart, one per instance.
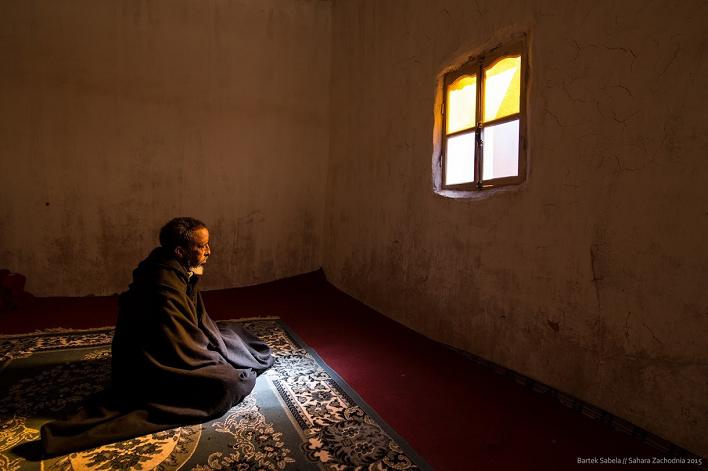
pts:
pixel 483 122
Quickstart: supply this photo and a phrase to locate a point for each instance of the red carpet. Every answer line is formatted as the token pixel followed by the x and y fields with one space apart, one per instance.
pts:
pixel 457 414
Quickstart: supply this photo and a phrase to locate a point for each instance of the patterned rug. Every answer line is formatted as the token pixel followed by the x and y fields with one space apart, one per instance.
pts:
pixel 300 416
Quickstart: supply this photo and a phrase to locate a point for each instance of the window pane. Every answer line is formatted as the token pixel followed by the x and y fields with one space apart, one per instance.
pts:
pixel 502 87
pixel 501 151
pixel 459 162
pixel 461 103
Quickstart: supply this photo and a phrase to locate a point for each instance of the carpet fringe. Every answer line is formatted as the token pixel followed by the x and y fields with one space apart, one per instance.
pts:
pixel 55 330
pixel 65 330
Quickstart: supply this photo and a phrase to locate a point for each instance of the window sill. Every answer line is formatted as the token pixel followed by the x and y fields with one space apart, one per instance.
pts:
pixel 478 194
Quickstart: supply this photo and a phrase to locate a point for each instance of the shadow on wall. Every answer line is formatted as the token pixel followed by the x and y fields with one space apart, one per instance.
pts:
pixel 12 290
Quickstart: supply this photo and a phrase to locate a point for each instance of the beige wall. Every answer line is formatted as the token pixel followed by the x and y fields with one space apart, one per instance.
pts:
pixel 591 276
pixel 118 115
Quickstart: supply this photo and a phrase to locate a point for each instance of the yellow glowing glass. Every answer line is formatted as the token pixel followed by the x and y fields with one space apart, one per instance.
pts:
pixel 461 103
pixel 502 88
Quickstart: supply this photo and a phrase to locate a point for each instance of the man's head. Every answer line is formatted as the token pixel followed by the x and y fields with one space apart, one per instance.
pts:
pixel 188 240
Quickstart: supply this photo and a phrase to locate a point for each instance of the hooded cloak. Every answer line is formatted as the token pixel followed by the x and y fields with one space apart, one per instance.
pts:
pixel 171 364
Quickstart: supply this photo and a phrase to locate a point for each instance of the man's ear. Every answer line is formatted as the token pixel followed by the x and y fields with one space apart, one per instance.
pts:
pixel 179 252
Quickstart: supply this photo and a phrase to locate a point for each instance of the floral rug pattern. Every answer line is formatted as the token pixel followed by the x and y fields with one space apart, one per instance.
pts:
pixel 300 416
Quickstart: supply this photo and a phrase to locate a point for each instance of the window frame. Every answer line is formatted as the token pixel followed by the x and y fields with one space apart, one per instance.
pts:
pixel 476 66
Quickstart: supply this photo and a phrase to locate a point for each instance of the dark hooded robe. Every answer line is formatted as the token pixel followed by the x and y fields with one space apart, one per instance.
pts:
pixel 171 364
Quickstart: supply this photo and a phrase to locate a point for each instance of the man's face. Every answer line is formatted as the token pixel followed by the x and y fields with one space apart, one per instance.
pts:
pixel 197 253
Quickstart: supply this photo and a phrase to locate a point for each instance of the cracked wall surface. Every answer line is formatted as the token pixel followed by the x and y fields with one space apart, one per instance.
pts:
pixel 117 116
pixel 589 277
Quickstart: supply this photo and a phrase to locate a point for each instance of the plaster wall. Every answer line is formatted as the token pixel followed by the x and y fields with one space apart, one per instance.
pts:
pixel 117 116
pixel 589 277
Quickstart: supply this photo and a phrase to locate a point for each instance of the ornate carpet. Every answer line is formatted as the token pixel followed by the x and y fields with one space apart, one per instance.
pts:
pixel 300 416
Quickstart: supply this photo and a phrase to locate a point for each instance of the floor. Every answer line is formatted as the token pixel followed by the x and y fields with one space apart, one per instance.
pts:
pixel 455 413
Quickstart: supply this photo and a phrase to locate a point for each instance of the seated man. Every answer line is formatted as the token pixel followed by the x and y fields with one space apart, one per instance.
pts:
pixel 171 364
